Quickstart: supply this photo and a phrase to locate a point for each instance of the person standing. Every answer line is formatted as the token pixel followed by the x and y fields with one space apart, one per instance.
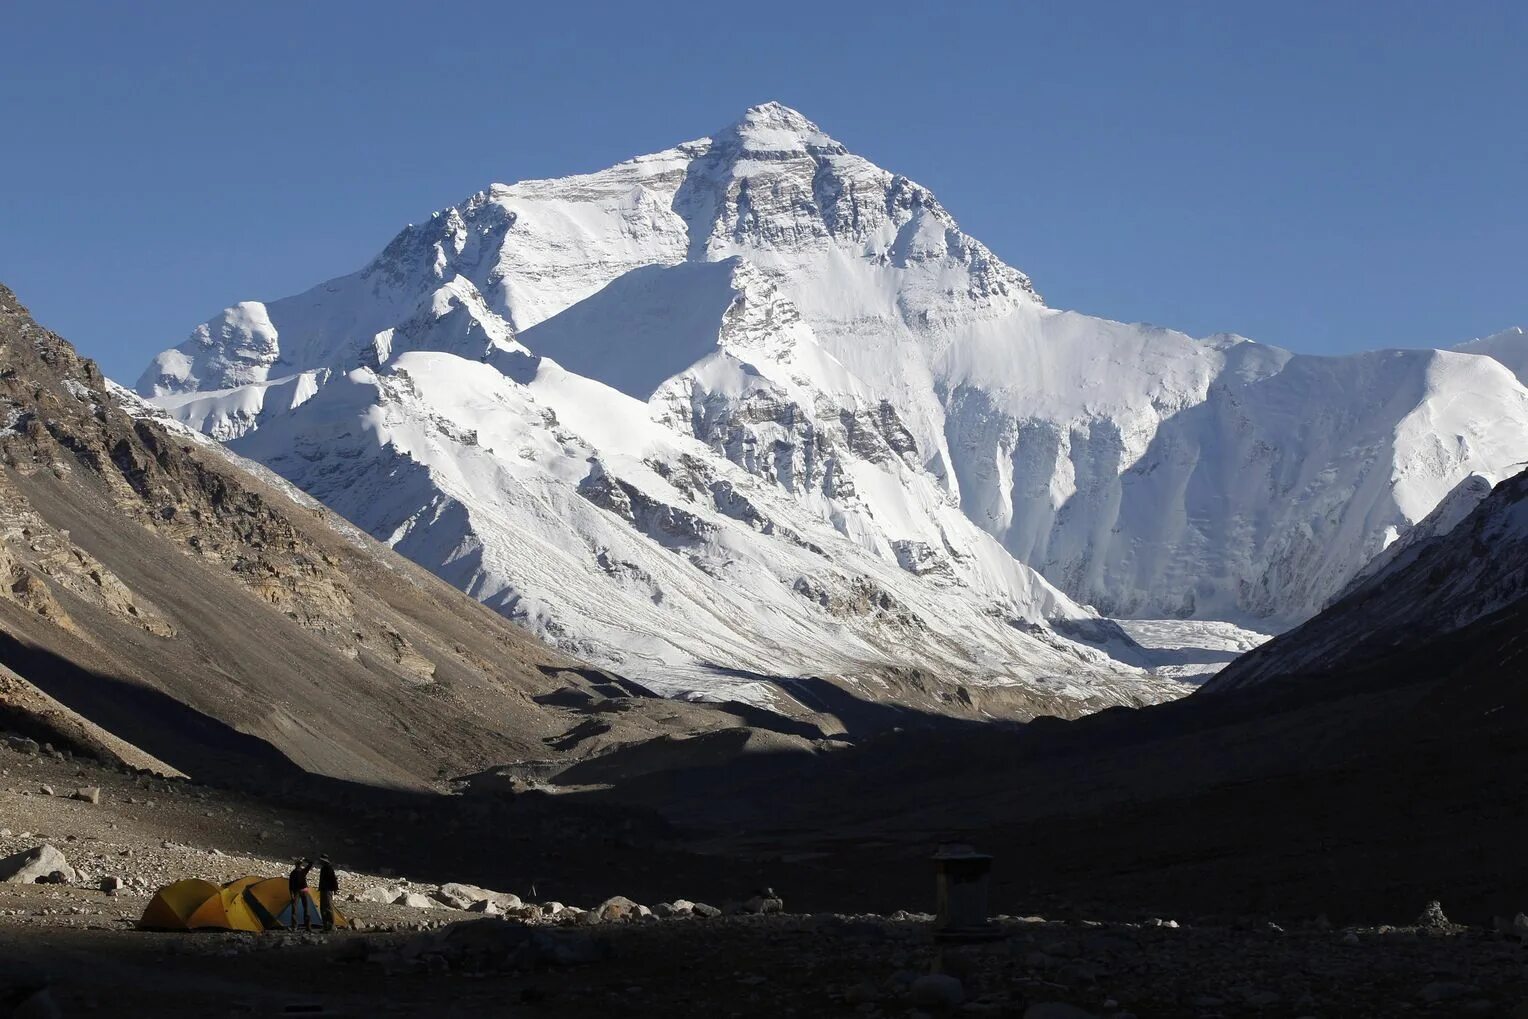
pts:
pixel 297 884
pixel 328 884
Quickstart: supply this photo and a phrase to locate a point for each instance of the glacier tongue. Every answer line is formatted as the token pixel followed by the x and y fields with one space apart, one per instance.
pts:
pixel 753 403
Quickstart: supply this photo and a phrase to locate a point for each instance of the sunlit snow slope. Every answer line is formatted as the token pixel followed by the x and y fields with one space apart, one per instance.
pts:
pixel 755 404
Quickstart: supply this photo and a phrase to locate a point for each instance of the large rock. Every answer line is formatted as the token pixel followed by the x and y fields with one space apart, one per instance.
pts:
pixel 38 1004
pixel 380 893
pixel 1433 918
pixel 89 794
pixel 617 907
pixel 460 896
pixel 415 901
pixel 764 902
pixel 38 864
pixel 23 745
pixel 937 990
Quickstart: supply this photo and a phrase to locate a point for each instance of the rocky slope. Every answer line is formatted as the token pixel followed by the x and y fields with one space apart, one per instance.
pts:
pixel 163 604
pixel 1467 573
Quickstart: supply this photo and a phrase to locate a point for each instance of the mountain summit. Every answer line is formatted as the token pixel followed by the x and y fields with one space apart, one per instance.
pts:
pixel 753 405
pixel 774 127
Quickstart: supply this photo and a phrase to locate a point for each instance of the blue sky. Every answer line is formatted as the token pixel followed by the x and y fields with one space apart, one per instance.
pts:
pixel 1328 177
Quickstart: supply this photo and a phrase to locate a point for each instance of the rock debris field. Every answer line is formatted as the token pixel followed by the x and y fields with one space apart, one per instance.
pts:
pixel 69 943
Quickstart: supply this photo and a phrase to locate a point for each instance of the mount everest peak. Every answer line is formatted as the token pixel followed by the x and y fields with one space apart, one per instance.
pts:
pixel 753 406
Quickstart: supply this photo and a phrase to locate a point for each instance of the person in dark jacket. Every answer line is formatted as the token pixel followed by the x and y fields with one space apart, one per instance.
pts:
pixel 297 884
pixel 328 884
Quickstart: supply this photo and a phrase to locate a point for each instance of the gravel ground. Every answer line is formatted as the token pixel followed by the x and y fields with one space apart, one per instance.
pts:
pixel 82 943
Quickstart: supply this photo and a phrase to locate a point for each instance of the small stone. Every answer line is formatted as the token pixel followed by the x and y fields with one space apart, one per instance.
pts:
pixel 111 884
pixel 1350 938
pixel 47 790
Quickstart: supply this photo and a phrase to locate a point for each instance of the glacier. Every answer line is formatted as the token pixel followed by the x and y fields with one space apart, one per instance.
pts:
pixel 754 407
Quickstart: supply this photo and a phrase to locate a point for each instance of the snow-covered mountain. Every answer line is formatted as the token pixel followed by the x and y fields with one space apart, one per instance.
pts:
pixel 755 404
pixel 570 506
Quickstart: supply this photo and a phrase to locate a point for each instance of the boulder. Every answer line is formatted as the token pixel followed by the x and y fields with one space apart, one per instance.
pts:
pixel 763 903
pixel 23 745
pixel 487 906
pixel 1432 917
pixel 88 794
pixel 36 865
pixel 617 907
pixel 380 893
pixel 37 1004
pixel 111 884
pixel 460 896
pixel 937 990
pixel 414 900
pixel 703 910
pixel 683 906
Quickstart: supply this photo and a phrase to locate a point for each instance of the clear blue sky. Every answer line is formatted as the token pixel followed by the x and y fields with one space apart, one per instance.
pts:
pixel 1328 177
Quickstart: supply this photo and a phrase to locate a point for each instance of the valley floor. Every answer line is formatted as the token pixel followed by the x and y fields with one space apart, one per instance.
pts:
pixel 1193 650
pixel 83 943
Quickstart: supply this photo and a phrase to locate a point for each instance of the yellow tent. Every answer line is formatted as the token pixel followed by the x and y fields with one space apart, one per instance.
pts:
pixel 195 904
pixel 247 904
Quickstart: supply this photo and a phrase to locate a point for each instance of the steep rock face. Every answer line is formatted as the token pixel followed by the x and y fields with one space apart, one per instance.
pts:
pixel 782 300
